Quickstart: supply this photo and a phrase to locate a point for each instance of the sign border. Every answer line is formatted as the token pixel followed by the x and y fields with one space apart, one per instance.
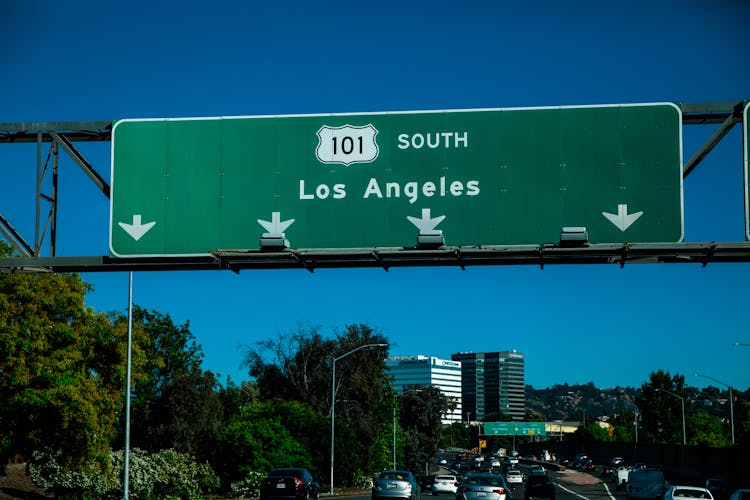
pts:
pixel 674 105
pixel 746 165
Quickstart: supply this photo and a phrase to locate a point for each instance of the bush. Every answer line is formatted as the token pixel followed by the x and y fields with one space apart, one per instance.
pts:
pixel 249 487
pixel 162 475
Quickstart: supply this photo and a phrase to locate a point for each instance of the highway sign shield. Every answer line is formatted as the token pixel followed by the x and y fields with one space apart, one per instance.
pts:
pixel 481 177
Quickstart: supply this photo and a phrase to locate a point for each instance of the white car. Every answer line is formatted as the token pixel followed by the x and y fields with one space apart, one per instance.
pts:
pixel 514 476
pixel 444 483
pixel 676 492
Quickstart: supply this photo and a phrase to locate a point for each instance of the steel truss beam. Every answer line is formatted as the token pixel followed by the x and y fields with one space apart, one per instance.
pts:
pixel 386 258
pixel 64 134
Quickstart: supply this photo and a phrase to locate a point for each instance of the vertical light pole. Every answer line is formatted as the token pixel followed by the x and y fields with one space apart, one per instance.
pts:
pixel 126 454
pixel 731 402
pixel 333 397
pixel 682 400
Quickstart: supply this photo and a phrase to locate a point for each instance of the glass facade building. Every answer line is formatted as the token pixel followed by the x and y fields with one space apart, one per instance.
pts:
pixel 426 372
pixel 492 382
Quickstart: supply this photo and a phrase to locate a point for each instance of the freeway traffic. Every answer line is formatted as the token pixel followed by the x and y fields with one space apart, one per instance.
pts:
pixel 569 485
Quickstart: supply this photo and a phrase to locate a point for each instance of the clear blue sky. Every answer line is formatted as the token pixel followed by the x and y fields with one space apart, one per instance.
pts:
pixel 86 60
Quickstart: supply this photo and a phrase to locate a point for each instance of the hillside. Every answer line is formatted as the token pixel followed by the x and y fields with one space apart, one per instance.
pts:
pixel 578 402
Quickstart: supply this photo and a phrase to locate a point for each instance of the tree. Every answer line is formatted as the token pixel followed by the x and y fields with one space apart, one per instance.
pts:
pixel 624 427
pixel 257 440
pixel 294 366
pixel 455 435
pixel 706 430
pixel 421 411
pixel 298 367
pixel 594 431
pixel 62 369
pixel 661 412
pixel 176 404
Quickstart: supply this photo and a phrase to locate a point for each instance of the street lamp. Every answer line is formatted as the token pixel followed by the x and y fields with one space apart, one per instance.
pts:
pixel 682 401
pixel 333 396
pixel 731 402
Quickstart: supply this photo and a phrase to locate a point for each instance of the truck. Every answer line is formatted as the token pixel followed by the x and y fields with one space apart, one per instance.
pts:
pixel 621 477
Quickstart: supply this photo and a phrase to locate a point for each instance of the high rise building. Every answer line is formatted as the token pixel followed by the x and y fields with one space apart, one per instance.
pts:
pixel 427 372
pixel 492 382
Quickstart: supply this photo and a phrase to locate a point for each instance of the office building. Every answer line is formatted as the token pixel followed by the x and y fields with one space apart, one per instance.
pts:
pixel 428 372
pixel 492 382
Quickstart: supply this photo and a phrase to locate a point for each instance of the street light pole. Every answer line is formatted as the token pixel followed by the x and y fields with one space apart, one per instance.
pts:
pixel 333 397
pixel 682 401
pixel 731 401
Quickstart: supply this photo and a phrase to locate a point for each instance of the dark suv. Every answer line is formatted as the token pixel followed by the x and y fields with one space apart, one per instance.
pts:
pixel 539 486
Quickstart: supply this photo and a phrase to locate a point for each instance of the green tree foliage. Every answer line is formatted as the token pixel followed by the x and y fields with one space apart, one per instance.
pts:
pixel 62 370
pixel 234 397
pixel 258 440
pixel 421 411
pixel 594 431
pixel 706 430
pixel 176 404
pixel 456 435
pixel 624 427
pixel 298 367
pixel 661 413
pixel 294 366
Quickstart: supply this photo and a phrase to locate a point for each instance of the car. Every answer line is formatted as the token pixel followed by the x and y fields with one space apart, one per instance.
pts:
pixel 425 482
pixel 617 461
pixel 514 476
pixel 537 469
pixel 740 495
pixel 607 471
pixel 538 485
pixel 579 460
pixel 289 483
pixel 476 486
pixel 646 484
pixel 718 487
pixel 396 484
pixel 677 492
pixel 588 466
pixel 444 483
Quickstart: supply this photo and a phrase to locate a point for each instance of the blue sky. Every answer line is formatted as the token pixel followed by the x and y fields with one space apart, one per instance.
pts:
pixel 71 61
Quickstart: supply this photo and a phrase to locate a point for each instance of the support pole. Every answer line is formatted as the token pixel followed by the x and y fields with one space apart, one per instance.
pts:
pixel 126 458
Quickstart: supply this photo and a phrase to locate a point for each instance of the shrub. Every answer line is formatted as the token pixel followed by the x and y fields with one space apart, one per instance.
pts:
pixel 249 487
pixel 162 475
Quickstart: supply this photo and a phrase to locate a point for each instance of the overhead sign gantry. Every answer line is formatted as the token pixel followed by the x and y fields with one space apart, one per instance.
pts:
pixel 518 176
pixel 553 185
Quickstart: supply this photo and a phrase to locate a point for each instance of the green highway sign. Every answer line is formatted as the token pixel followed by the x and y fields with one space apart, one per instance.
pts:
pixel 746 155
pixel 513 176
pixel 515 429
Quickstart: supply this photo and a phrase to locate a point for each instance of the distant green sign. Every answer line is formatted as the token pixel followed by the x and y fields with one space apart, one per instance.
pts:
pixel 515 429
pixel 479 177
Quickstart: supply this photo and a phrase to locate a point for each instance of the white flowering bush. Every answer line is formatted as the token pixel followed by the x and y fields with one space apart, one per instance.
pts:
pixel 249 487
pixel 363 481
pixel 163 475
